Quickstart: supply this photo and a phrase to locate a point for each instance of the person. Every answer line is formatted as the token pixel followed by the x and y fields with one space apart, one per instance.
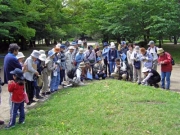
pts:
pixel 40 66
pixel 11 62
pixel 104 55
pixel 135 57
pixel 76 75
pixel 152 77
pixel 153 51
pixel 69 59
pixel 47 71
pixel 99 69
pixel 62 59
pixel 166 67
pixel 90 55
pixel 20 56
pixel 123 48
pixel 80 44
pixel 96 49
pixel 87 71
pixel 146 58
pixel 111 56
pixel 1 84
pixel 120 71
pixel 76 49
pixel 129 61
pixel 79 57
pixel 16 87
pixel 30 70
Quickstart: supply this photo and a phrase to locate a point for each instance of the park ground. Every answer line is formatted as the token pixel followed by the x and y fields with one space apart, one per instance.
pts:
pixel 105 107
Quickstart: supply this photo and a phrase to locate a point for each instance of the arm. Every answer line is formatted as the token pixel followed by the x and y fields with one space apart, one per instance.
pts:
pixel 15 63
pixel 49 66
pixel 168 59
pixel 147 77
pixel 149 58
pixel 11 86
pixel 30 67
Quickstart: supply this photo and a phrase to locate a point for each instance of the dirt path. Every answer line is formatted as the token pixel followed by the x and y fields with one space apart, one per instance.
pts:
pixel 4 107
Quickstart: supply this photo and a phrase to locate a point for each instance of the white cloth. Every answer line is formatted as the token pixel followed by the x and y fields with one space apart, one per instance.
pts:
pixel 129 53
pixel 69 60
pixel 147 77
pixel 122 68
pixel 28 75
pixel 154 53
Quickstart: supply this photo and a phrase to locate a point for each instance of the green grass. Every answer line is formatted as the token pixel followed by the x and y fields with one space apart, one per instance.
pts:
pixel 109 107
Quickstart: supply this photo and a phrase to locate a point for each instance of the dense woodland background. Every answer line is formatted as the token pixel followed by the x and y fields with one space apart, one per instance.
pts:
pixel 27 21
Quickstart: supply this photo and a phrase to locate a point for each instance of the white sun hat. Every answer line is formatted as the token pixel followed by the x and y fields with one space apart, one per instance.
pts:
pixel 35 54
pixel 20 55
pixel 41 51
pixel 112 45
pixel 42 57
pixel 145 69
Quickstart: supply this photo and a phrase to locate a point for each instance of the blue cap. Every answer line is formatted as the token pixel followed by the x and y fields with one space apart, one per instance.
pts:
pixel 51 53
pixel 18 73
pixel 99 59
pixel 63 46
pixel 105 44
pixel 123 42
pixel 73 43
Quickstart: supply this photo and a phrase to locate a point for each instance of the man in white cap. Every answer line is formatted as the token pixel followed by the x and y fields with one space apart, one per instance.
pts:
pixel 152 77
pixel 153 50
pixel 69 58
pixel 31 70
pixel 20 58
pixel 111 56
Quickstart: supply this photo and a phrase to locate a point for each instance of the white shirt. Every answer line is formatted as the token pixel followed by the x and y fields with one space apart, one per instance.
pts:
pixel 153 52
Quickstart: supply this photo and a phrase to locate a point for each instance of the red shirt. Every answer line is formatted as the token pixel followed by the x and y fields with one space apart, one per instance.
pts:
pixel 17 92
pixel 166 58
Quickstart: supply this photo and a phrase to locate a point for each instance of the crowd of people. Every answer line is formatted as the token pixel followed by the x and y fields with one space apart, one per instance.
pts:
pixel 44 72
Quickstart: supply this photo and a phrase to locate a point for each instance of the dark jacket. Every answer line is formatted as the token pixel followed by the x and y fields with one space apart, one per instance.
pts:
pixel 10 63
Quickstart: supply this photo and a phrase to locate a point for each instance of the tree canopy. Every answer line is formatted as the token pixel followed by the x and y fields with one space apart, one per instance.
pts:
pixel 30 20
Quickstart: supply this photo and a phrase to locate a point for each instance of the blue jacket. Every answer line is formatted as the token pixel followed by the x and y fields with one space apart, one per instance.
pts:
pixel 105 52
pixel 10 63
pixel 147 60
pixel 111 56
pixel 79 58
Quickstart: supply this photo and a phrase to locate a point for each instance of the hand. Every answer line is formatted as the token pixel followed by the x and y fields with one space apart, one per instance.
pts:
pixel 143 83
pixel 37 73
pixel 10 81
pixel 161 62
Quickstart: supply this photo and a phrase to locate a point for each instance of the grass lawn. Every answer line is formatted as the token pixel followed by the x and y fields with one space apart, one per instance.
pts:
pixel 109 107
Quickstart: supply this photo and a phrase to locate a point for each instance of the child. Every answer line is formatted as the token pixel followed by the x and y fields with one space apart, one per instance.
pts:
pixel 16 87
pixel 99 69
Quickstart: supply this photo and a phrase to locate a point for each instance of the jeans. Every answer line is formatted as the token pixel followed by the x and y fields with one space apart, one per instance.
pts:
pixel 55 80
pixel 14 109
pixel 98 75
pixel 166 75
pixel 112 65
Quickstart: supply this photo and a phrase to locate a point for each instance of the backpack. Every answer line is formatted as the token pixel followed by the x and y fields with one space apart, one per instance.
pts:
pixel 72 73
pixel 172 60
pixel 150 49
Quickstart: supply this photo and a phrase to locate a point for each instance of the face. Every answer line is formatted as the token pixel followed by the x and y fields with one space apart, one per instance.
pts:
pixel 14 77
pixel 161 54
pixel 143 53
pixel 117 63
pixel 15 52
pixel 76 46
pixel 145 73
pixel 34 59
pixel 61 49
pixel 151 45
pixel 99 62
pixel 71 50
pixel 130 48
pixel 137 51
pixel 21 59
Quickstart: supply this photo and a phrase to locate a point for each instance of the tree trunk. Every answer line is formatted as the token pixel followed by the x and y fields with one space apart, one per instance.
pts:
pixel 47 41
pixel 23 43
pixel 160 42
pixel 118 39
pixel 175 40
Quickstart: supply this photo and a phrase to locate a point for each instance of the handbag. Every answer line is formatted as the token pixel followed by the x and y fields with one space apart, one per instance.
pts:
pixel 39 81
pixel 137 64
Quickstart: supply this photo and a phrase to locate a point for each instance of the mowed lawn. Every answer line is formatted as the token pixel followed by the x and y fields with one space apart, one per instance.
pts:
pixel 108 107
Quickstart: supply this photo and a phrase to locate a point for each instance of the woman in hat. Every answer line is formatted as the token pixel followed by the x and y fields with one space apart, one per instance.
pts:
pixel 55 76
pixel 152 77
pixel 87 71
pixel 47 71
pixel 30 69
pixel 20 56
pixel 40 66
pixel 16 87
pixel 165 60
pixel 79 57
pixel 135 57
pixel 111 56
pixel 99 69
pixel 69 58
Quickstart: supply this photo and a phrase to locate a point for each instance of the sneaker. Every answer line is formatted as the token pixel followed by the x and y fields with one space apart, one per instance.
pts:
pixel 9 126
pixel 29 103
pixel 32 101
pixel 156 85
pixel 1 122
pixel 39 97
pixel 21 122
pixel 48 93
pixel 43 94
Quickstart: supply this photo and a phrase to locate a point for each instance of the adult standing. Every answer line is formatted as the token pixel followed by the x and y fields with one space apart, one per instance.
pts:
pixel 111 56
pixel 11 62
pixel 130 61
pixel 104 55
pixel 69 58
pixel 30 71
pixel 153 51
pixel 166 67
pixel 146 58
